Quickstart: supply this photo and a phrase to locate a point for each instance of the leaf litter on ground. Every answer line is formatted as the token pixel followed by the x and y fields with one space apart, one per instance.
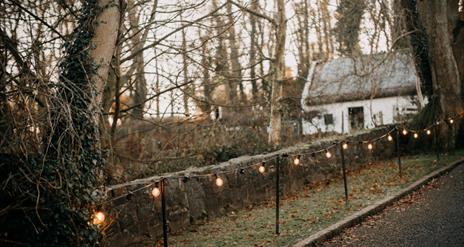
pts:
pixel 316 207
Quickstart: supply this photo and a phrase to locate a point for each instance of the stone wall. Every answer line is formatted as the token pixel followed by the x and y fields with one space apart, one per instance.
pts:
pixel 193 197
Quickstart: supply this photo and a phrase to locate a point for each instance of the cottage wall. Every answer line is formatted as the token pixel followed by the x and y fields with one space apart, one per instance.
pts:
pixel 386 106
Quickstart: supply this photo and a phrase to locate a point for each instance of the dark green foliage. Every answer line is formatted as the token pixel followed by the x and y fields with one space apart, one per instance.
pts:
pixel 428 115
pixel 49 195
pixel 349 16
pixel 419 44
pixel 423 120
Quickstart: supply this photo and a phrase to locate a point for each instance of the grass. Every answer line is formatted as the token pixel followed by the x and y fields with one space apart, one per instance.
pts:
pixel 313 209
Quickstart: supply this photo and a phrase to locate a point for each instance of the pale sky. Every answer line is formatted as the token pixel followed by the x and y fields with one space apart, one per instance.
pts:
pixel 173 64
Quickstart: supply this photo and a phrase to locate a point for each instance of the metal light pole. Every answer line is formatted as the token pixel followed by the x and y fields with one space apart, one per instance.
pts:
pixel 277 194
pixel 398 151
pixel 342 155
pixel 163 213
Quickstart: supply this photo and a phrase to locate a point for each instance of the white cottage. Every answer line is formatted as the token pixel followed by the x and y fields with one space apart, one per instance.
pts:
pixel 347 94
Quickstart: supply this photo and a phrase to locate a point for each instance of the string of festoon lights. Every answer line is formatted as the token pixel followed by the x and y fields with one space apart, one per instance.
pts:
pixel 156 186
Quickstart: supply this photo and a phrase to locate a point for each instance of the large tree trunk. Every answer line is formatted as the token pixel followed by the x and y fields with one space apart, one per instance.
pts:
pixel 275 125
pixel 104 41
pixel 445 72
pixel 418 41
pixel 74 158
pixel 433 46
pixel 456 28
pixel 304 51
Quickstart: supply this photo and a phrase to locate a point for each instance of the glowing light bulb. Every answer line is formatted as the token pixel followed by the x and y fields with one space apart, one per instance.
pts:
pixel 345 146
pixel 428 132
pixel 370 146
pixel 416 135
pixel 328 154
pixel 98 218
pixel 405 132
pixel 219 182
pixel 155 192
pixel 451 121
pixel 389 138
pixel 262 169
pixel 296 161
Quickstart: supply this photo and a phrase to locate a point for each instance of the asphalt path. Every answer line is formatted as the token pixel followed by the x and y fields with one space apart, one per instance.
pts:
pixel 432 216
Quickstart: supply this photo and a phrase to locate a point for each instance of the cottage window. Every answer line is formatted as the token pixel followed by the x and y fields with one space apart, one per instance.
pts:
pixel 328 119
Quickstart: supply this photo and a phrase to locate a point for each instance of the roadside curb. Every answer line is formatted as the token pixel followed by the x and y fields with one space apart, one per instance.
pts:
pixel 356 218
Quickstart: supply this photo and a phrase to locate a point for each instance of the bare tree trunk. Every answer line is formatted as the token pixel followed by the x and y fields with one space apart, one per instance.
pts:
pixel 275 125
pixel 326 27
pixel 398 27
pixel 104 41
pixel 74 152
pixel 302 14
pixel 253 45
pixel 139 62
pixel 206 64
pixel 157 83
pixel 157 90
pixel 172 103
pixel 222 59
pixel 320 42
pixel 265 87
pixel 186 90
pixel 236 68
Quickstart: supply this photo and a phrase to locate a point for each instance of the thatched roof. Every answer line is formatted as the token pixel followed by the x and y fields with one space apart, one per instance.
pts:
pixel 372 76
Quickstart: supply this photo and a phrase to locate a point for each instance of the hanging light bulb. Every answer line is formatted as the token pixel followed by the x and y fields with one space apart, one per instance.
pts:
pixel 98 218
pixel 345 145
pixel 155 192
pixel 328 154
pixel 428 132
pixel 416 135
pixel 405 132
pixel 262 168
pixel 296 161
pixel 370 146
pixel 451 121
pixel 389 138
pixel 219 182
